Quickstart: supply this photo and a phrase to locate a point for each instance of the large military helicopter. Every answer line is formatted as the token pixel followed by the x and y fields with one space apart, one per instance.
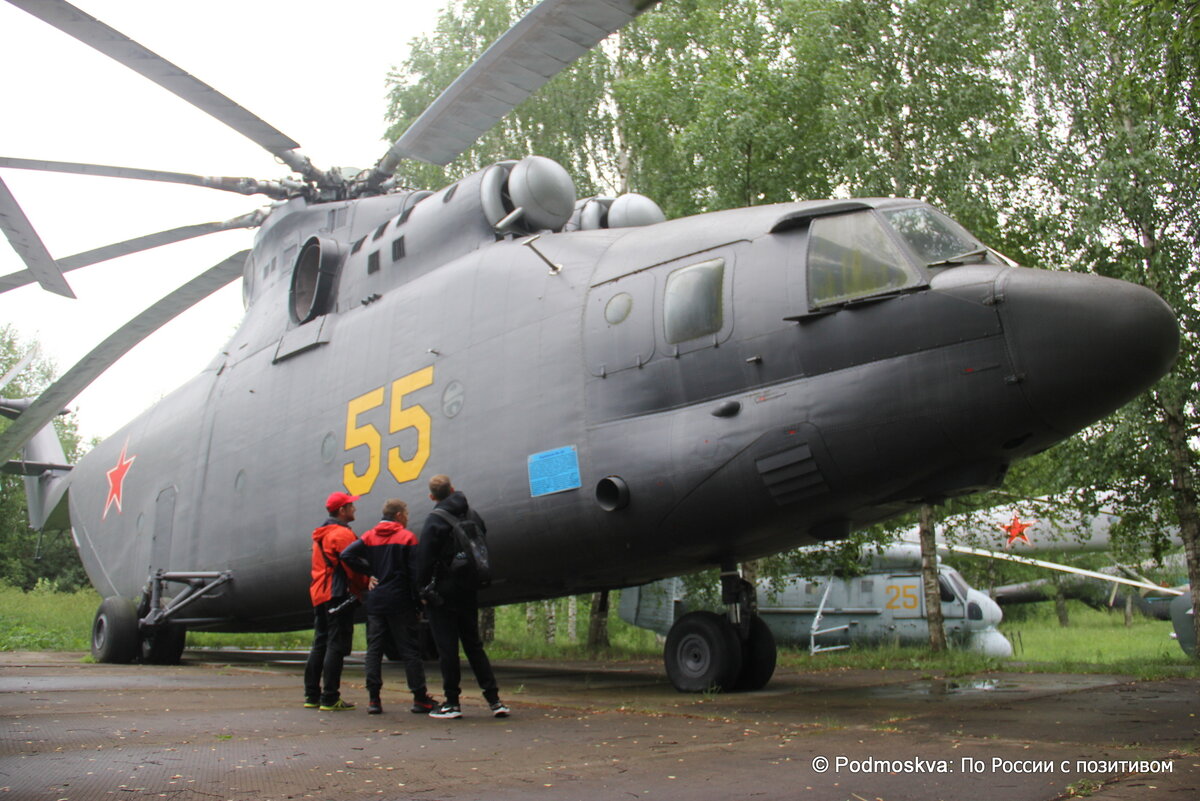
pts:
pixel 626 398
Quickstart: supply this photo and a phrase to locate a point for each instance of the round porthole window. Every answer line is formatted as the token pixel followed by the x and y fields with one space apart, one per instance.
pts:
pixel 328 448
pixel 618 308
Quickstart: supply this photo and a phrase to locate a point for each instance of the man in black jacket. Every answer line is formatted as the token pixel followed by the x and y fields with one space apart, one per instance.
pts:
pixel 387 553
pixel 454 612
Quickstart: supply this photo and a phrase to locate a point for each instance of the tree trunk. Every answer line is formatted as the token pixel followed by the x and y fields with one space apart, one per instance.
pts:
pixel 598 623
pixel 573 618
pixel 487 624
pixel 1060 608
pixel 933 594
pixel 551 609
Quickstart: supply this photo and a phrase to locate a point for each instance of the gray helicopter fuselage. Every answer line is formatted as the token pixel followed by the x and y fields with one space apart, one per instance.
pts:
pixel 670 399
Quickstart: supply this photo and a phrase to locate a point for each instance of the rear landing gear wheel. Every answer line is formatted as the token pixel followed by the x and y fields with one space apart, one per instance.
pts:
pixel 703 653
pixel 115 631
pixel 758 657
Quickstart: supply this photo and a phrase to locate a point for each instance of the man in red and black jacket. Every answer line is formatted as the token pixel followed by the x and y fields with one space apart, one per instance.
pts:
pixel 388 554
pixel 333 588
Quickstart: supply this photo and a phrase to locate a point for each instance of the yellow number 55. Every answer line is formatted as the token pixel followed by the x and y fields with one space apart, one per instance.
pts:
pixel 400 419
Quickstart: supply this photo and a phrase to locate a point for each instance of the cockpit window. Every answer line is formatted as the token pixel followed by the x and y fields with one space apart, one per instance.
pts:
pixel 692 303
pixel 933 236
pixel 956 581
pixel 851 256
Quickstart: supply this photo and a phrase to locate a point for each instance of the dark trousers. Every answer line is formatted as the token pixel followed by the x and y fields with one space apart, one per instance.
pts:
pixel 333 637
pixel 402 629
pixel 451 625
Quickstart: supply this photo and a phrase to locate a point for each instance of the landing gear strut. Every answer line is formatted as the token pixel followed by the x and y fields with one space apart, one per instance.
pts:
pixel 706 651
pixel 154 630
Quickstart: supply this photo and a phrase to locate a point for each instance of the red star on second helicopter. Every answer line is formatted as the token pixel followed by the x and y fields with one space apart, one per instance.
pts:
pixel 116 481
pixel 1016 531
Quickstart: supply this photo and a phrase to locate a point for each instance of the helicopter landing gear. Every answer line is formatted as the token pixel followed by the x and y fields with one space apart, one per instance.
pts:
pixel 706 651
pixel 703 653
pixel 163 644
pixel 115 631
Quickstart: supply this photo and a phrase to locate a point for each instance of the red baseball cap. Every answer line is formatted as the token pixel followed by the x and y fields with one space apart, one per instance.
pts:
pixel 337 500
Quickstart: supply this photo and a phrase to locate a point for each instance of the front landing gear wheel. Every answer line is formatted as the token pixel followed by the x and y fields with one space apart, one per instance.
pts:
pixel 703 653
pixel 758 657
pixel 115 631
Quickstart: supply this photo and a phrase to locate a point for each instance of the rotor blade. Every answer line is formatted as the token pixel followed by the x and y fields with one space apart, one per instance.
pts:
pixel 547 40
pixel 137 245
pixel 75 380
pixel 1079 571
pixel 243 186
pixel 28 244
pixel 18 368
pixel 114 44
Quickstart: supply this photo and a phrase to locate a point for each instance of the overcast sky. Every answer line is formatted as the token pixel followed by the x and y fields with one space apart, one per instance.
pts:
pixel 314 70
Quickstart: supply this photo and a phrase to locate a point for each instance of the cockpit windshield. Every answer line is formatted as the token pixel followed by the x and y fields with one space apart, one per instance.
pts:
pixel 851 256
pixel 956 581
pixel 936 240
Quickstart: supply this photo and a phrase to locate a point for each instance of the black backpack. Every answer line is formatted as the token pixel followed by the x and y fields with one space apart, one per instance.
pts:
pixel 471 564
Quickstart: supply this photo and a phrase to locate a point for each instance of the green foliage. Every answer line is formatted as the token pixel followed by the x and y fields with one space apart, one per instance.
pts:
pixel 515 641
pixel 45 619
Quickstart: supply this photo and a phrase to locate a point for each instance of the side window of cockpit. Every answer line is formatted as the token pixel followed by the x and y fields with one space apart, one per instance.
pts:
pixel 851 256
pixel 693 302
pixel 944 588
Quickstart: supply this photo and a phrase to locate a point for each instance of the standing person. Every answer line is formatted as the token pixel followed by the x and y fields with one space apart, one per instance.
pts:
pixel 388 554
pixel 454 612
pixel 333 588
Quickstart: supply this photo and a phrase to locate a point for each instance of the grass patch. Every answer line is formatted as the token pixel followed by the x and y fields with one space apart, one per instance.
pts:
pixel 891 657
pixel 1096 642
pixel 45 620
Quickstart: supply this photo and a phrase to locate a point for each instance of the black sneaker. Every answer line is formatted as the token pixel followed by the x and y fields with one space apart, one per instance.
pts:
pixel 423 706
pixel 374 707
pixel 446 711
pixel 340 705
pixel 312 702
pixel 499 710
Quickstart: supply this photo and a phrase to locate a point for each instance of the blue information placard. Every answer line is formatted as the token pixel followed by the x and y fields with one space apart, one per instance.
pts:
pixel 554 471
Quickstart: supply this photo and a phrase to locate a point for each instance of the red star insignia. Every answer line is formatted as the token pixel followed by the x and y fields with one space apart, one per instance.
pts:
pixel 1016 531
pixel 116 481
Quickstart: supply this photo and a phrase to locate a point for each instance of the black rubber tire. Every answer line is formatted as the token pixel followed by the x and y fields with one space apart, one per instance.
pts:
pixel 758 656
pixel 702 653
pixel 163 645
pixel 115 631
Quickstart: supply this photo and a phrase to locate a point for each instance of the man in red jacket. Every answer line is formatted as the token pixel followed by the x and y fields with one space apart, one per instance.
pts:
pixel 333 588
pixel 388 554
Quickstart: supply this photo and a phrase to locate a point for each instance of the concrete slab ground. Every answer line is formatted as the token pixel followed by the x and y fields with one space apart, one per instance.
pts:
pixel 231 726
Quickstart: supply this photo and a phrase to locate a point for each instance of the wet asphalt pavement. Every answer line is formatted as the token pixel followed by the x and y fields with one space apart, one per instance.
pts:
pixel 232 726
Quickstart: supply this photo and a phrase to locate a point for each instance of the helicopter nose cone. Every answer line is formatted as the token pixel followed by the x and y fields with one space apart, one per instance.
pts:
pixel 1083 345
